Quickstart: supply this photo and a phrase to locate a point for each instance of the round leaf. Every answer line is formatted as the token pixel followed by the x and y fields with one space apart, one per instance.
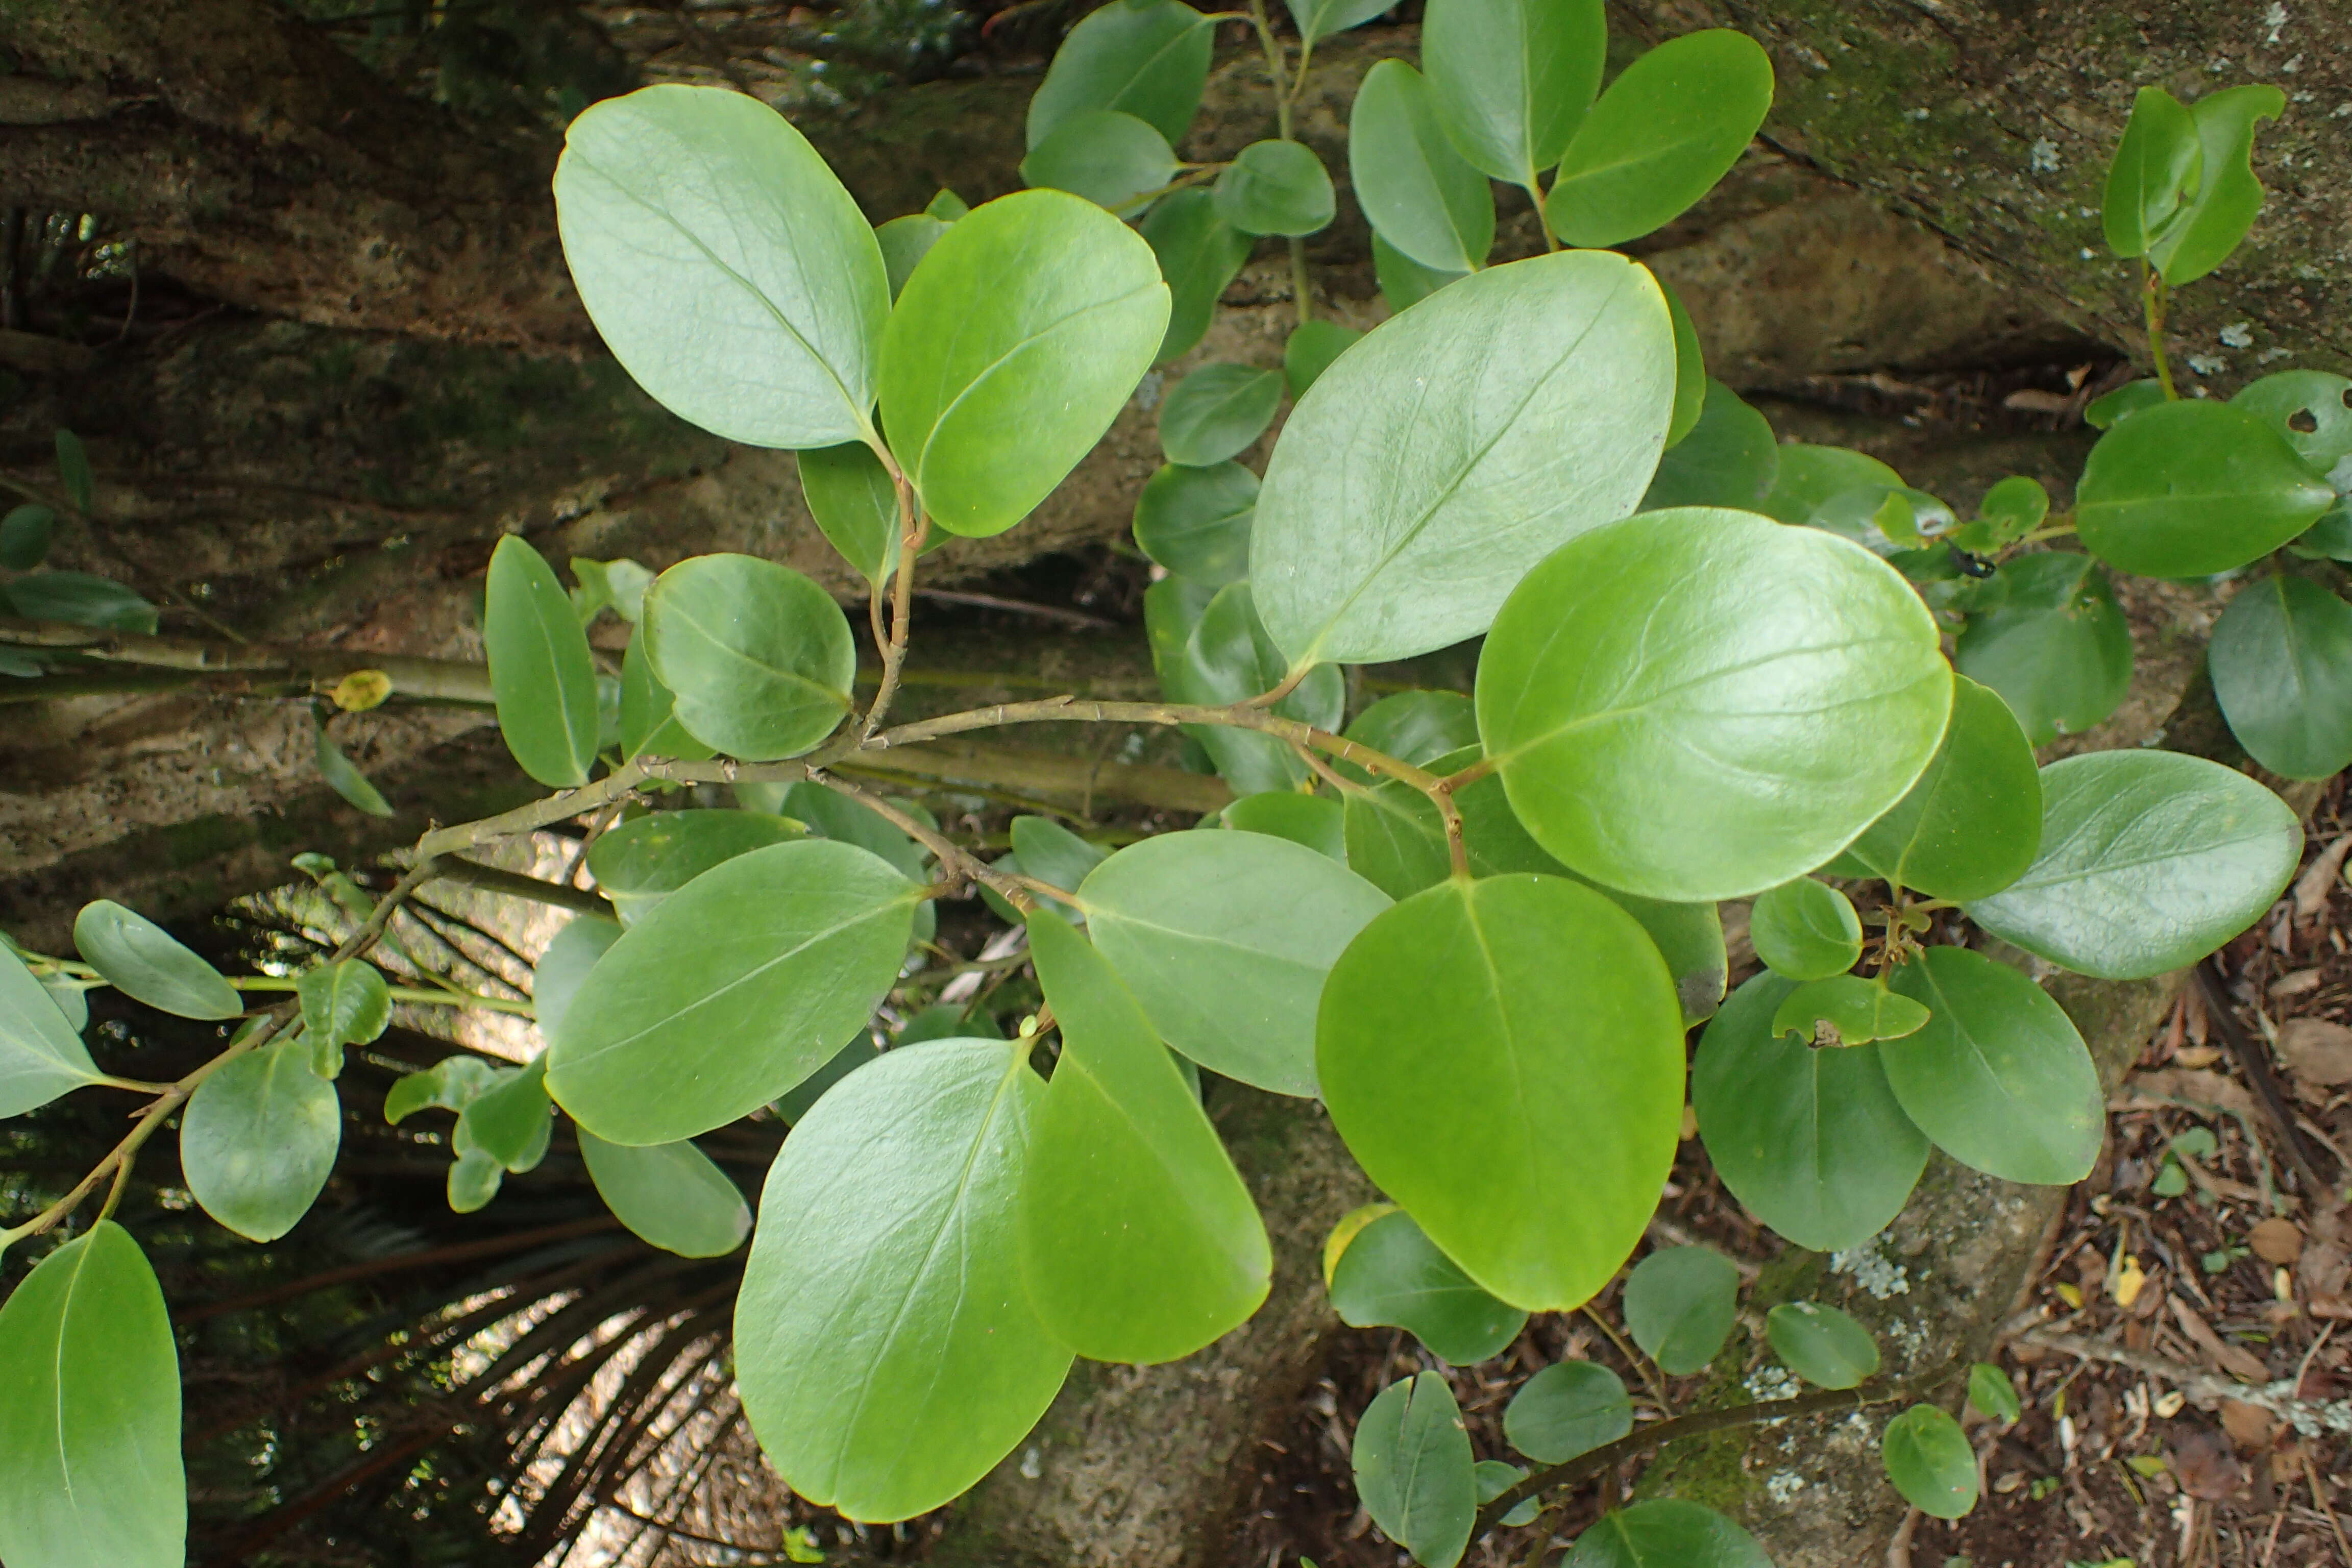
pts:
pixel 259 1139
pixel 1216 412
pixel 1805 929
pixel 1392 1275
pixel 1809 476
pixel 1513 77
pixel 1414 1470
pixel 1196 521
pixel 540 669
pixel 143 961
pixel 1199 253
pixel 2312 409
pixel 1930 1462
pixel 758 659
pixel 1315 821
pixel 1822 1345
pixel 1148 58
pixel 1973 824
pixel 1729 458
pixel 564 968
pixel 850 495
pixel 1108 157
pixel 2281 660
pixel 1416 190
pixel 1680 1304
pixel 1310 350
pixel 25 536
pixel 1663 1531
pixel 646 859
pixel 2191 489
pixel 2045 634
pixel 41 1054
pixel 1568 1408
pixel 668 1194
pixel 1669 127
pixel 1696 704
pixel 1276 187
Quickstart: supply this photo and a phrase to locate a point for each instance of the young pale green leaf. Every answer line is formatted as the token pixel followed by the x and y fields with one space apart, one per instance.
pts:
pixel 725 265
pixel 905 241
pixel 1109 158
pixel 1805 929
pixel 1811 1142
pixel 41 1054
pixel 25 536
pixel 1821 1344
pixel 1319 19
pixel 343 776
pixel 560 971
pixel 146 963
pixel 74 472
pixel 473 1181
pixel 1808 475
pixel 1196 521
pixel 89 1455
pixel 2282 662
pixel 1216 412
pixel 1392 1276
pixel 540 673
pixel 885 1345
pixel 1513 78
pixel 1696 704
pixel 1315 821
pixel 1199 253
pixel 1690 373
pixel 2214 217
pixel 650 725
pixel 758 657
pixel 2013 508
pixel 1310 350
pixel 1211 648
pixel 511 1121
pixel 1146 57
pixel 2149 861
pixel 1405 282
pixel 344 1004
pixel 1012 349
pixel 1504 1058
pixel 739 986
pixel 1973 824
pixel 1992 1394
pixel 668 1194
pixel 259 1139
pixel 1680 1304
pixel 1669 127
pixel 1999 1078
pixel 1455 447
pixel 1666 1532
pixel 647 858
pixel 2156 164
pixel 2191 489
pixel 1138 1241
pixel 2310 409
pixel 850 495
pixel 81 599
pixel 1846 1010
pixel 1414 1470
pixel 1276 187
pixel 1418 193
pixel 1930 1461
pixel 1729 458
pixel 2046 635
pixel 1568 1408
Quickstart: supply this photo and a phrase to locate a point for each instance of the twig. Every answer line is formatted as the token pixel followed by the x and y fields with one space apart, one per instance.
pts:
pixel 2279 1398
pixel 2255 1063
pixel 961 864
pixel 914 527
pixel 1077 618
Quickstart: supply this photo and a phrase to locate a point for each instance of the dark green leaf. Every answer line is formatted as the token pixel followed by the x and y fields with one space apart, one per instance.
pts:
pixel 2308 408
pixel 343 776
pixel 1571 1407
pixel 1216 412
pixel 2281 658
pixel 1148 58
pixel 1418 193
pixel 1196 521
pixel 2013 508
pixel 850 495
pixel 2103 411
pixel 1821 1344
pixel 1930 1461
pixel 2214 217
pixel 1973 824
pixel 832 816
pixel 1992 1394
pixel 1666 1532
pixel 1847 1010
pixel 450 1084
pixel 1310 350
pixel 758 657
pixel 539 668
pixel 73 471
pixel 1669 127
pixel 344 1004
pixel 1405 282
pixel 1680 1304
pixel 2046 635
pixel 2192 489
pixel 1514 78
pixel 1495 1477
pixel 564 967
pixel 1199 253
pixel 2156 164
pixel 1315 821
pixel 1211 648
pixel 25 536
pixel 668 1194
pixel 1108 157
pixel 143 961
pixel 259 1139
pixel 647 858
pixel 1808 475
pixel 1729 458
pixel 81 599
pixel 1417 727
pixel 511 1121
pixel 1805 929
pixel 1392 1275
pixel 929 1024
pixel 905 241
pixel 1414 1470
pixel 1276 187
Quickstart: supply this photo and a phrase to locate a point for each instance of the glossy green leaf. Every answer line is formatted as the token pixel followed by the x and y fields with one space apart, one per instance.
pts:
pixel 1821 1344
pixel 564 967
pixel 450 1084
pixel 1414 1470
pixel 1315 821
pixel 1698 704
pixel 2013 507
pixel 1012 349
pixel 850 495
pixel 1568 1408
pixel 2156 164
pixel 1196 521
pixel 540 669
pixel 511 1121
pixel 344 1004
pixel 41 1053
pixel 861 1051
pixel 2310 409
pixel 885 1346
pixel 2214 217
pixel 1808 475
pixel 1999 1078
pixel 1973 824
pixel 1679 1304
pixel 145 963
pixel 725 265
pixel 905 241
pixel 650 725
pixel 758 657
pixel 2101 412
pixel 1669 127
pixel 1504 1057
pixel 1138 1241
pixel 1319 19
pixel 259 1139
pixel 1930 1461
pixel 2046 635
pixel 1690 373
pixel 343 776
pixel 1109 158
pixel 1199 253
pixel 668 1194
pixel 1310 350
pixel 73 471
pixel 1453 448
pixel 739 986
pixel 2282 661
pixel 1211 648
pixel 646 859
pixel 1846 1010
pixel 89 1455
pixel 1666 1532
pixel 1417 192
pixel 1729 458
pixel 1148 58
pixel 1392 1276
pixel 1805 929
pixel 25 536
pixel 81 599
pixel 1512 78
pixel 1405 282
pixel 1276 187
pixel 1992 1394
pixel 2192 489
pixel 2149 861
pixel 1216 412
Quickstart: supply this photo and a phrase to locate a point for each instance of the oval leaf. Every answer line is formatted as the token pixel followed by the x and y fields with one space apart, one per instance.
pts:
pixel 1568 1408
pixel 1680 1304
pixel 2282 661
pixel 1414 1470
pixel 41 1053
pixel 145 963
pixel 1109 158
pixel 1196 521
pixel 1666 1530
pixel 1216 412
pixel 1669 127
pixel 2047 634
pixel 2308 408
pixel 1315 821
pixel 540 673
pixel 1973 824
pixel 668 1194
pixel 1147 59
pixel 259 1139
pixel 1730 458
pixel 2157 161
pixel 850 495
pixel 1930 1461
pixel 649 723
pixel 1513 77
pixel 1276 187
pixel 758 659
pixel 2193 487
pixel 1392 1275
pixel 1805 929
pixel 644 861
pixel 562 970
pixel 2214 217
pixel 1199 253
pixel 1422 195
pixel 1821 1344
pixel 1847 1010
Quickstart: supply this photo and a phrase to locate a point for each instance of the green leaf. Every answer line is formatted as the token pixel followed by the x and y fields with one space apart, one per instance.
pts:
pixel 2215 217
pixel 1392 1275
pixel 2330 538
pixel 905 241
pixel 1512 78
pixel 836 817
pixel 344 1004
pixel 1992 1394
pixel 511 1121
pixel 644 861
pixel 1108 158
pixel 1504 1057
pixel 1417 727
pixel 1999 1078
pixel 259 1139
pixel 1568 1408
pixel 25 536
pixel 343 776
pixel 1973 824
pixel 2103 413
pixel 1414 1470
pixel 1729 458
pixel 1211 649
pixel 2281 660
pixel 1196 521
pixel 728 269
pixel 1418 193
pixel 1671 125
pixel 1319 19
pixel 1147 59
pixel 1811 1142
pixel 1495 1477
pixel 73 471
pixel 2149 861
pixel 1808 475
pixel 2310 409
pixel 1315 821
pixel 1666 1532
pixel 1690 373
pixel 1310 350
pixel 80 599
pixel 1847 1010
pixel 739 986
pixel 90 1457
pixel 1680 1304
pixel 945 205
pixel 2192 489
pixel 924 1026
pixel 758 659
pixel 564 968
pixel 539 668
pixel 1276 187
pixel 1453 448
pixel 1783 691
pixel 473 1181
pixel 1052 853
pixel 1805 929
pixel 1138 1241
pixel 1405 282
pixel 668 1194
pixel 2156 164
pixel 1012 347
pixel 2046 635
pixel 1199 253
pixel 650 725
pixel 450 1084
pixel 143 961
pixel 2013 508
pixel 1821 1344
pixel 850 495
pixel 1216 412
pixel 1930 1461
pixel 885 1346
